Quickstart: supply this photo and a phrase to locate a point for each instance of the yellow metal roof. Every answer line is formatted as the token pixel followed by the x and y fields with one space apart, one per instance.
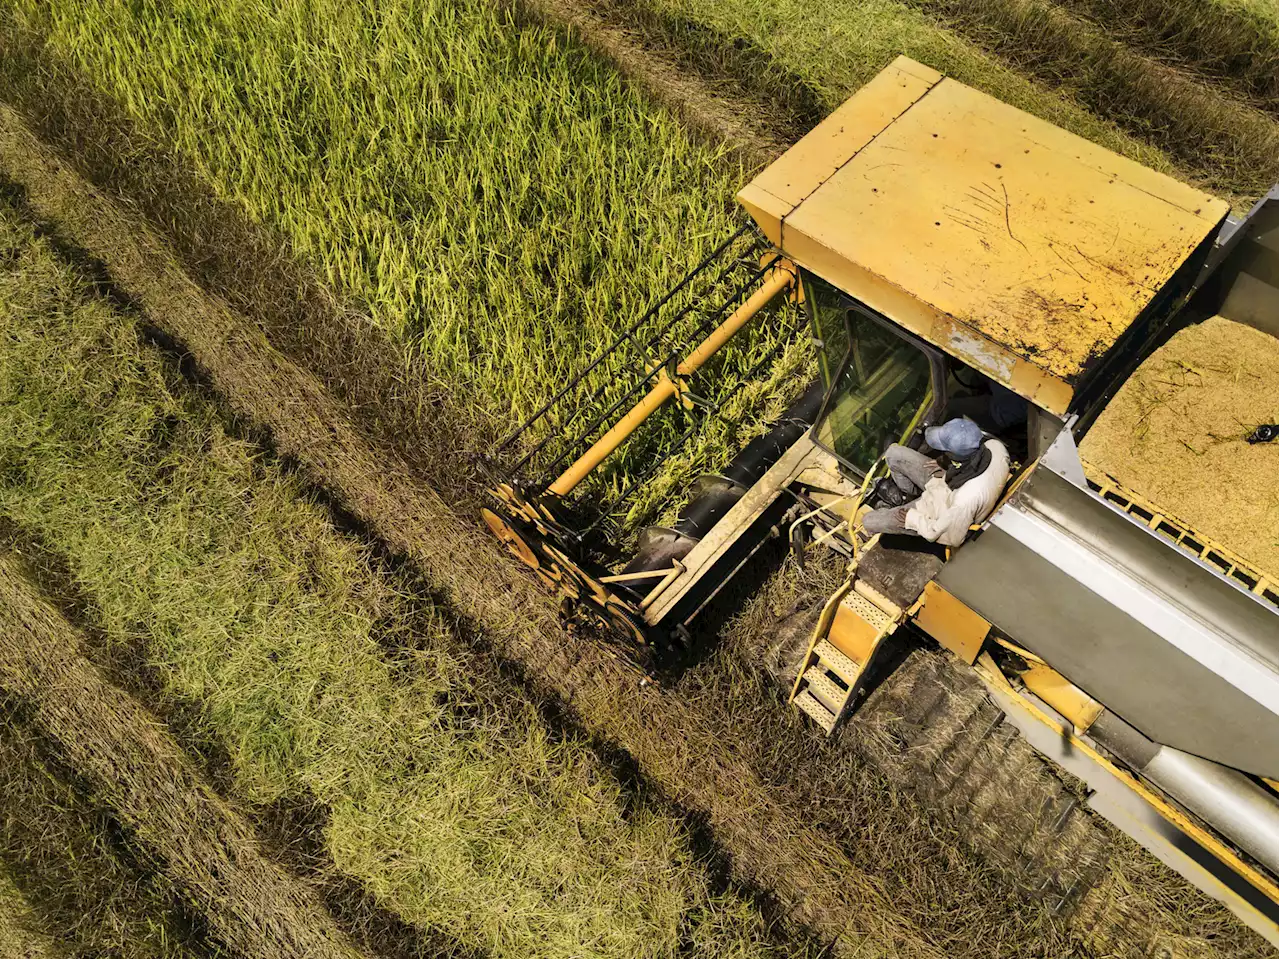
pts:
pixel 1022 249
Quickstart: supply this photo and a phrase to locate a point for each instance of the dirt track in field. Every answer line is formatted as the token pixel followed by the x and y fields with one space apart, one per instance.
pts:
pixel 785 829
pixel 206 850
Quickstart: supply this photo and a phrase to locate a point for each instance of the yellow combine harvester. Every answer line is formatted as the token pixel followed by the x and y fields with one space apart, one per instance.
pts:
pixel 933 236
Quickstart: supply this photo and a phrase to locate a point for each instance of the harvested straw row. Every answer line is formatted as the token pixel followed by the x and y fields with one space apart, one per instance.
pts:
pixel 20 934
pixel 1233 44
pixel 208 851
pixel 93 888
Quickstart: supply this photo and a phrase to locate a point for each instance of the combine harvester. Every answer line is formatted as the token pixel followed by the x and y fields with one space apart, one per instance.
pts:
pixel 934 236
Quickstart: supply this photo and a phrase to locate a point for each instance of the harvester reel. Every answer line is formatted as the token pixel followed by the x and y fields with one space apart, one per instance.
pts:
pixel 586 604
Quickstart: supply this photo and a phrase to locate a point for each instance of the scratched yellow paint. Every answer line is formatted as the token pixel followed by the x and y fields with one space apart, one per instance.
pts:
pixel 1005 240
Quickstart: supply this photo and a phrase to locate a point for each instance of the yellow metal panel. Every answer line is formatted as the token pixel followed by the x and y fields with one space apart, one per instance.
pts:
pixel 1070 701
pixel 853 635
pixel 998 362
pixel 766 209
pixel 830 144
pixel 1012 244
pixel 952 623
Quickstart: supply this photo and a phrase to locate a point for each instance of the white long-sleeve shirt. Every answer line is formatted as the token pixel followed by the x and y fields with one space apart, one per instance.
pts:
pixel 944 515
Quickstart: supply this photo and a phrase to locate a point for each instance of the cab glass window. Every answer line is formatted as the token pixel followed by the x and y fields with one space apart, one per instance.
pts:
pixel 879 383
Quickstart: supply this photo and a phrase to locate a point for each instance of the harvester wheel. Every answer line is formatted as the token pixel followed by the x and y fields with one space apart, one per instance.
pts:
pixel 586 604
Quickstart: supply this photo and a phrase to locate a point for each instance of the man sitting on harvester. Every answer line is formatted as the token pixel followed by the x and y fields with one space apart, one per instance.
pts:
pixel 938 502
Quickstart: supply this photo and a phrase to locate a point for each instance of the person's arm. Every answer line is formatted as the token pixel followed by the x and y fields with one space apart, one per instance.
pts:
pixel 939 516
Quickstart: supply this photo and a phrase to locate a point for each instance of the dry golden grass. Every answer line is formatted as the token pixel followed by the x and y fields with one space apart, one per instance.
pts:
pixel 21 936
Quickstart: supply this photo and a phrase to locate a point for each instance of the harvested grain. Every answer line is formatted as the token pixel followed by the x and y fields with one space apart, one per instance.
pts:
pixel 1176 434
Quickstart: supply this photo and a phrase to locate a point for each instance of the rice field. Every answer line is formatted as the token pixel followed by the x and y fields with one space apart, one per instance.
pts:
pixel 500 200
pixel 466 179
pixel 492 201
pixel 324 676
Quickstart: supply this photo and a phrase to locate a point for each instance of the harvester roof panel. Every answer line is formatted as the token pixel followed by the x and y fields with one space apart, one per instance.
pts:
pixel 1014 245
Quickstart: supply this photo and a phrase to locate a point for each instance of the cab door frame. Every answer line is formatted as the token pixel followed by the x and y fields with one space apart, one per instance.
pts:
pixel 937 363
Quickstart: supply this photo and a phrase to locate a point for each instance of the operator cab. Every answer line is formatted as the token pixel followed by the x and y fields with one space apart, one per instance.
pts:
pixel 883 385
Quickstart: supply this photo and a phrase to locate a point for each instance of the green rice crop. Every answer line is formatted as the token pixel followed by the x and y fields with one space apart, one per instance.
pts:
pixel 322 674
pixel 483 187
pixel 835 48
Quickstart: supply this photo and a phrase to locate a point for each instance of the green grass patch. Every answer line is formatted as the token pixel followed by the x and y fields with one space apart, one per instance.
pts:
pixel 323 674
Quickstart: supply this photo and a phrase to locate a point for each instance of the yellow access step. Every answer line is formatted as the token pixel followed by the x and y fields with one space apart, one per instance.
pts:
pixel 842 647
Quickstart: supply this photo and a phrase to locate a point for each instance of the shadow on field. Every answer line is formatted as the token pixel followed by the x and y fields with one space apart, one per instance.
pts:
pixel 92 888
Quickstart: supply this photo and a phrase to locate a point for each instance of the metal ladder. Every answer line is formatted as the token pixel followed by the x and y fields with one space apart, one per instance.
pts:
pixel 851 630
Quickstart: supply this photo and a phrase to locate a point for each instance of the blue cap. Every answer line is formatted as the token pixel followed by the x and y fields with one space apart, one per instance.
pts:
pixel 960 437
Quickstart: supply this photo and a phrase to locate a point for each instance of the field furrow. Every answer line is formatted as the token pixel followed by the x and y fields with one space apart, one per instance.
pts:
pixel 1232 44
pixel 1228 143
pixel 207 851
